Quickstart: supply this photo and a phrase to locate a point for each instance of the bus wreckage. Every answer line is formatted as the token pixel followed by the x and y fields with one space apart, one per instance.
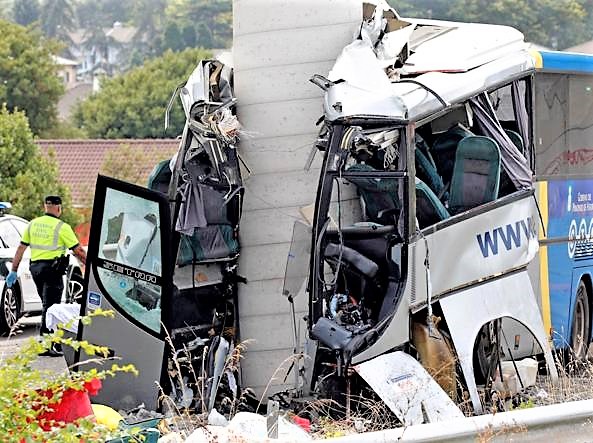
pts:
pixel 415 261
pixel 426 218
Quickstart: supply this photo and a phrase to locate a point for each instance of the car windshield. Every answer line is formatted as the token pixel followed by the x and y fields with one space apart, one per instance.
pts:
pixel 9 234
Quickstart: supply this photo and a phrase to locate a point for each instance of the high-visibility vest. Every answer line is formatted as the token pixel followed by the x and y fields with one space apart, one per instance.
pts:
pixel 48 237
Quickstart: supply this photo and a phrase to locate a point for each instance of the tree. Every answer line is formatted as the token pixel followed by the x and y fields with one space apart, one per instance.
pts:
pixel 545 22
pixel 104 13
pixel 28 75
pixel 172 38
pixel 147 16
pixel 215 15
pixel 57 18
pixel 26 176
pixel 128 163
pixel 25 12
pixel 188 34
pixel 133 104
pixel 204 36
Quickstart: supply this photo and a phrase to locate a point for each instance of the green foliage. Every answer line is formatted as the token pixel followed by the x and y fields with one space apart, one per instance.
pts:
pixel 204 36
pixel 552 23
pixel 213 20
pixel 63 130
pixel 57 18
pixel 29 75
pixel 25 12
pixel 25 175
pixel 26 393
pixel 133 104
pixel 103 13
pixel 172 38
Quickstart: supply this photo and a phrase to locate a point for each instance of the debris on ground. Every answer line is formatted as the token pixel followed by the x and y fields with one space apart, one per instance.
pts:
pixel 249 427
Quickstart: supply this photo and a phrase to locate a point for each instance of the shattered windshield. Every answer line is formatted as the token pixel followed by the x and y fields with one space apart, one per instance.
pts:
pixel 361 209
pixel 364 193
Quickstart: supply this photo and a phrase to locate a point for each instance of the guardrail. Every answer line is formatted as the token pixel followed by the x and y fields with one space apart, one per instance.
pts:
pixel 566 422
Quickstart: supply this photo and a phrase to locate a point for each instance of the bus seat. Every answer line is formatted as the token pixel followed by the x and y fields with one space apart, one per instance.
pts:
pixel 516 139
pixel 379 194
pixel 476 174
pixel 429 209
pixel 444 149
pixel 426 169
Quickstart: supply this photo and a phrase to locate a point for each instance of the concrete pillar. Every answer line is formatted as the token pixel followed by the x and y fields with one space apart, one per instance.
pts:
pixel 278 45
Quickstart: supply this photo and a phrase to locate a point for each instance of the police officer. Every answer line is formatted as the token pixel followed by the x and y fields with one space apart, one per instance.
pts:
pixel 49 238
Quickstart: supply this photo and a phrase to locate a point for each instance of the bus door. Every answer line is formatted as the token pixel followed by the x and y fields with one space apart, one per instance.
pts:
pixel 129 272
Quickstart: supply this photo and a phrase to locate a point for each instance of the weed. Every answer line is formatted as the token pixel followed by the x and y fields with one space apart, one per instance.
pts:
pixel 28 395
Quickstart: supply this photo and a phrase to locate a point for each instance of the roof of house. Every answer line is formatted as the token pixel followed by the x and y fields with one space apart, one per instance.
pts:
pixel 61 61
pixel 80 161
pixel 583 48
pixel 120 33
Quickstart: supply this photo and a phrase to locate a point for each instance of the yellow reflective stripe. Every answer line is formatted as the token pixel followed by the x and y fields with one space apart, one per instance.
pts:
pixel 543 260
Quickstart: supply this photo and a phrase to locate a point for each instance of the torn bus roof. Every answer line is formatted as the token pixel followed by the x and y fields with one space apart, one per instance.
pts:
pixel 433 64
pixel 462 47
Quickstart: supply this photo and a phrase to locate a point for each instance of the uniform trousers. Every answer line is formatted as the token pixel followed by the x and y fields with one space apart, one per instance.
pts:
pixel 50 286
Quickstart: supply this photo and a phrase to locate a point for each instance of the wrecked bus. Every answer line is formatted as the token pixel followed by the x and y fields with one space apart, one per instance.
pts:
pixel 426 216
pixel 163 259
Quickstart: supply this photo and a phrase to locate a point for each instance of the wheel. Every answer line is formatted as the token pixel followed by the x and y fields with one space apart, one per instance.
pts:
pixel 579 336
pixel 74 286
pixel 9 309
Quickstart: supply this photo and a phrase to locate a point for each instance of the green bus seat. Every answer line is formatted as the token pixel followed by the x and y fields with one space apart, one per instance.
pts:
pixel 426 169
pixel 429 209
pixel 380 195
pixel 445 147
pixel 476 175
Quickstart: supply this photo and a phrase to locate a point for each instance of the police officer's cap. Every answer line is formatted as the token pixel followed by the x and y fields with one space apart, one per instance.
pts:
pixel 53 200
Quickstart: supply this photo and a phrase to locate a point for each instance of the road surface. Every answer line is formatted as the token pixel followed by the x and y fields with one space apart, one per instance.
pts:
pixel 28 328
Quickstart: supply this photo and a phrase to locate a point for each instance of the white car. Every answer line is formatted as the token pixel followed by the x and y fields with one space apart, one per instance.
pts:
pixel 22 298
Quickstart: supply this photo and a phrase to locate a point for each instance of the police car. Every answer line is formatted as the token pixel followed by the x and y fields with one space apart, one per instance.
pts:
pixel 22 298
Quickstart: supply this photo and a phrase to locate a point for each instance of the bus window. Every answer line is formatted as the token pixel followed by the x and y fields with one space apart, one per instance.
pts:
pixel 551 110
pixel 579 134
pixel 459 155
pixel 564 124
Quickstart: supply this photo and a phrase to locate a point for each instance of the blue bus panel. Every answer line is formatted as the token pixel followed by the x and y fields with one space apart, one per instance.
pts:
pixel 570 216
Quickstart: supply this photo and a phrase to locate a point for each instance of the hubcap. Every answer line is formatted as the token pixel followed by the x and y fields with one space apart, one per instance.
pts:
pixel 10 308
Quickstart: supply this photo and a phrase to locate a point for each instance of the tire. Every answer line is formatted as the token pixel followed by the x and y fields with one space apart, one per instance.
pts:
pixel 75 286
pixel 580 328
pixel 9 309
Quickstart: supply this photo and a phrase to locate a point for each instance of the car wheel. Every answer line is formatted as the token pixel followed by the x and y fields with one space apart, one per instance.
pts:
pixel 75 286
pixel 579 336
pixel 9 309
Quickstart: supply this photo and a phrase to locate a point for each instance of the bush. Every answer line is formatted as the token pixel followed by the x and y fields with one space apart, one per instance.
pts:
pixel 27 394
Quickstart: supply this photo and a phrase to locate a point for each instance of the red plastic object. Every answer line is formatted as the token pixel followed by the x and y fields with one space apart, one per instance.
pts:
pixel 304 423
pixel 73 405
